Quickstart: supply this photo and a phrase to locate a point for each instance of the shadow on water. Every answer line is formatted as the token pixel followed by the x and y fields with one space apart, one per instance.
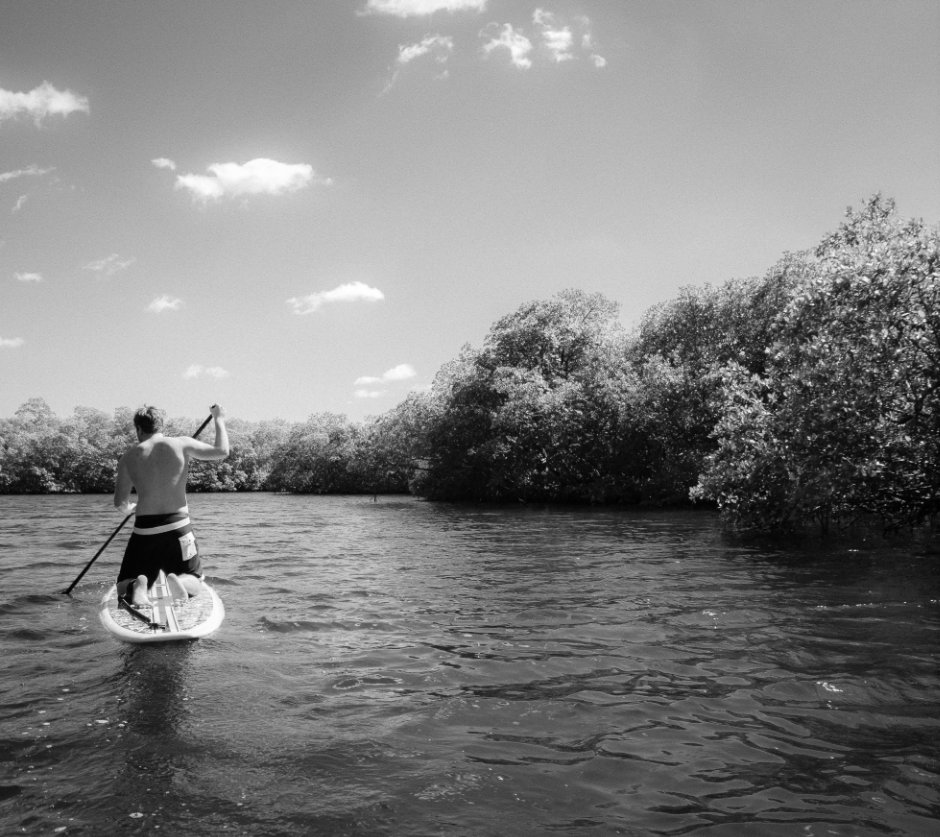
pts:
pixel 152 686
pixel 146 743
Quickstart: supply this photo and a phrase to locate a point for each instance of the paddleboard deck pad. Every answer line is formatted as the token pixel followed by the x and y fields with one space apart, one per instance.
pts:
pixel 166 619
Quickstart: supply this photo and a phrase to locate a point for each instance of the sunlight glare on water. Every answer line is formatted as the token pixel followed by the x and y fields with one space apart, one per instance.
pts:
pixel 406 668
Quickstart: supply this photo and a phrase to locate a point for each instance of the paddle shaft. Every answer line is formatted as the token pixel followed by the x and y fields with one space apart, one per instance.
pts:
pixel 104 546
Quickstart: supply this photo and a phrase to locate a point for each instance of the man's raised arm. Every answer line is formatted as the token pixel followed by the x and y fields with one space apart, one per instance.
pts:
pixel 220 448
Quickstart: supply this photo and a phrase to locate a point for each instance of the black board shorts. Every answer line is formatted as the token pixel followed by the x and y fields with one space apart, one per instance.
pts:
pixel 160 542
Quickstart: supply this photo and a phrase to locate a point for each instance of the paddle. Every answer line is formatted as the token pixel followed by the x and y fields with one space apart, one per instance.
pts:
pixel 104 546
pixel 124 604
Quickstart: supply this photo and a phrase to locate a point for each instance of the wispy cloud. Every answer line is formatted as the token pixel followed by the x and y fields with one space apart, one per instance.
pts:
pixel 558 40
pixel 419 8
pixel 260 176
pixel 402 372
pixel 165 302
pixel 587 44
pixel 549 38
pixel 350 292
pixel 11 342
pixel 28 277
pixel 164 163
pixel 436 47
pixel 506 37
pixel 367 383
pixel 15 174
pixel 29 171
pixel 556 37
pixel 197 371
pixel 40 102
pixel 109 265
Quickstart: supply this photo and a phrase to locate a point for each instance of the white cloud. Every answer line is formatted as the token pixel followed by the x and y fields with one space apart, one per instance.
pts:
pixel 28 277
pixel 402 372
pixel 559 40
pixel 165 303
pixel 418 8
pixel 518 45
pixel 587 43
pixel 350 292
pixel 109 265
pixel 164 163
pixel 197 371
pixel 11 342
pixel 29 171
pixel 40 102
pixel 440 46
pixel 556 38
pixel 260 176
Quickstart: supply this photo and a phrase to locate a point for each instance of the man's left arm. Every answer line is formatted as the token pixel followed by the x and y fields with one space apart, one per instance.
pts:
pixel 214 452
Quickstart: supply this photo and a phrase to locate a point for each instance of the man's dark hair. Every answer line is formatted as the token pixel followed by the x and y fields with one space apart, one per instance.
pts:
pixel 149 419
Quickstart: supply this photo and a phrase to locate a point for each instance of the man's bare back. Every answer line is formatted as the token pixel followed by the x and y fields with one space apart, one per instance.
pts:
pixel 157 467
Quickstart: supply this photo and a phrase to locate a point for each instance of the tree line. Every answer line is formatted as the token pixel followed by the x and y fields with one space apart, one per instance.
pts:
pixel 808 394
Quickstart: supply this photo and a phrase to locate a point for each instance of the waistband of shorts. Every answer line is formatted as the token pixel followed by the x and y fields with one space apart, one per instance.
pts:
pixel 157 524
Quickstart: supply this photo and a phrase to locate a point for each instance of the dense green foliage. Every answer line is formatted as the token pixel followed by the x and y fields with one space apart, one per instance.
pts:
pixel 845 419
pixel 810 393
pixel 40 453
pixel 537 414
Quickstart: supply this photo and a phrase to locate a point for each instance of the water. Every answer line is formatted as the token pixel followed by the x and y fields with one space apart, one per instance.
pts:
pixel 405 668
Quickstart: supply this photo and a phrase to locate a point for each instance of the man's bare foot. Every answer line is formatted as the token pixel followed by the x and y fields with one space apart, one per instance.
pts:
pixel 192 583
pixel 138 592
pixel 176 588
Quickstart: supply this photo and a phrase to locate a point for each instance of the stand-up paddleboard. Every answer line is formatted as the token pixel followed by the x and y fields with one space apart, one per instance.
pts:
pixel 166 619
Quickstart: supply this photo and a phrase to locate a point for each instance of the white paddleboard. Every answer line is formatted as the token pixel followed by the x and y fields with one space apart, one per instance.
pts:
pixel 167 619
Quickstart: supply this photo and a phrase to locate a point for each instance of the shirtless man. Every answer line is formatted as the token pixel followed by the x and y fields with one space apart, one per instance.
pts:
pixel 157 466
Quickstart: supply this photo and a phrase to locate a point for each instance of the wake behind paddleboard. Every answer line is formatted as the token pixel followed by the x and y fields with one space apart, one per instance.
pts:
pixel 167 619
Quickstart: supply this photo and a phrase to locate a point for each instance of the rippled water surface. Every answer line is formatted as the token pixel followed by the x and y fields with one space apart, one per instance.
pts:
pixel 405 668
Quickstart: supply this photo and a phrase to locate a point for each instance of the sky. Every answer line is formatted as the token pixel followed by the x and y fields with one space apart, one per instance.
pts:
pixel 292 207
